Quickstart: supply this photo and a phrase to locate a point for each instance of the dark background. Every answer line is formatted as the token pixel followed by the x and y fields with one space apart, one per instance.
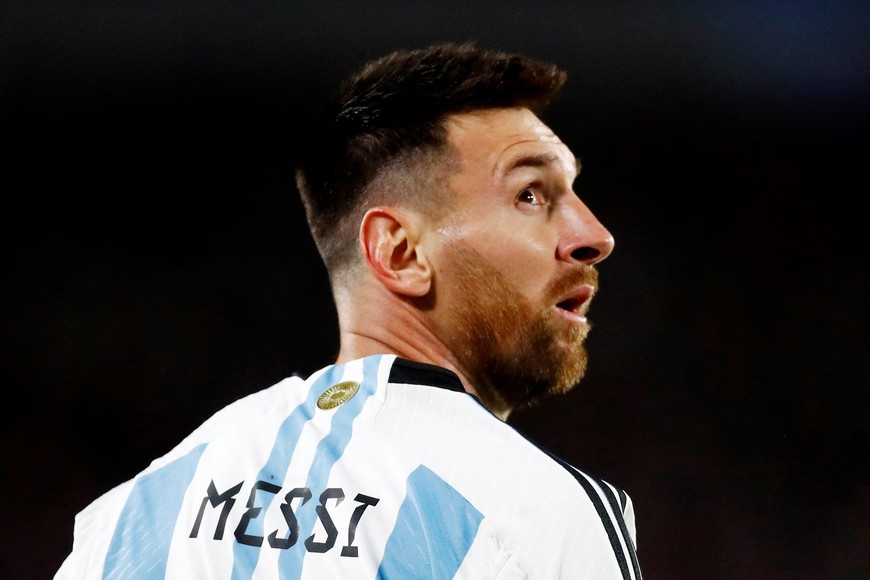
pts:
pixel 157 266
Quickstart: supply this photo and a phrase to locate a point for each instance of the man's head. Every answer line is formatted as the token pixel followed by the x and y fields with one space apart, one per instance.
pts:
pixel 435 172
pixel 383 138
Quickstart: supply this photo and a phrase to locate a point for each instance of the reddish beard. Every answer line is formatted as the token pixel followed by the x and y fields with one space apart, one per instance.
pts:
pixel 513 351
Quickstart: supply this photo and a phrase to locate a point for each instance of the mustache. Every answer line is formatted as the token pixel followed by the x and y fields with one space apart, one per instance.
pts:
pixel 571 280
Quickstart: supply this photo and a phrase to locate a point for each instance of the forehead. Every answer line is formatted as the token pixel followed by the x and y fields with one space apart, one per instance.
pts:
pixel 496 140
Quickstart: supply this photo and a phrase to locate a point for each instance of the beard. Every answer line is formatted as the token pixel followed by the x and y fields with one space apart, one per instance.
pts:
pixel 512 350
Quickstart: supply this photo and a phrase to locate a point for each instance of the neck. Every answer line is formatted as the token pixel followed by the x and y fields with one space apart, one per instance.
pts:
pixel 383 323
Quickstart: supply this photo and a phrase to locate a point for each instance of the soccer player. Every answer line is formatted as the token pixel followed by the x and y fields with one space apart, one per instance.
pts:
pixel 462 265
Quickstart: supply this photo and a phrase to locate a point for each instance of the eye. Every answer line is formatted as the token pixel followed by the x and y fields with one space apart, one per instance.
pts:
pixel 530 196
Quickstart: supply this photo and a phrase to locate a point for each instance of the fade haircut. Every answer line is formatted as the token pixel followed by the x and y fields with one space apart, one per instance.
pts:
pixel 383 135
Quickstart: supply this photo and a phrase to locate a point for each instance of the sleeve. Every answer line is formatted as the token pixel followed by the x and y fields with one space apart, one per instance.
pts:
pixel 92 533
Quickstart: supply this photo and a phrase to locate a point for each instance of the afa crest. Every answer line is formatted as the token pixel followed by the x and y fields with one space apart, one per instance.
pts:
pixel 337 394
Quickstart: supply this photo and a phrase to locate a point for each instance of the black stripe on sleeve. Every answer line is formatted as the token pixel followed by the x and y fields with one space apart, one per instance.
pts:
pixel 629 543
pixel 606 520
pixel 612 534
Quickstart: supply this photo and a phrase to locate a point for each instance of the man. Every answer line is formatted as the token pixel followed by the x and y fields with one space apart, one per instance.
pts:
pixel 462 266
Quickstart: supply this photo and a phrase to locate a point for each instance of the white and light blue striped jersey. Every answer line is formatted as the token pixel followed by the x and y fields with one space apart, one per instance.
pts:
pixel 379 468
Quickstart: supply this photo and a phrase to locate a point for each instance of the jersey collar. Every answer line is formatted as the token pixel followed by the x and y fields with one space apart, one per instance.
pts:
pixel 417 373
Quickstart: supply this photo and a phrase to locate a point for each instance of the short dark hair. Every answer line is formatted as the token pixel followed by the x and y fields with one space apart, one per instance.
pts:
pixel 390 113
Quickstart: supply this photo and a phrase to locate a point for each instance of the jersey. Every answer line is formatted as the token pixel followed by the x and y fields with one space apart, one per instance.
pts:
pixel 377 468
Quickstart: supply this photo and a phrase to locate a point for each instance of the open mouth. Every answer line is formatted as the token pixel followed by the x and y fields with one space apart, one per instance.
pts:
pixel 571 305
pixel 575 304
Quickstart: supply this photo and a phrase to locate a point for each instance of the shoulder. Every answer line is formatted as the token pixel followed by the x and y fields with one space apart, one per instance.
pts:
pixel 237 416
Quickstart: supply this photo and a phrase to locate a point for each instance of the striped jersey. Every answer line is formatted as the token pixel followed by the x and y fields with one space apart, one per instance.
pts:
pixel 378 468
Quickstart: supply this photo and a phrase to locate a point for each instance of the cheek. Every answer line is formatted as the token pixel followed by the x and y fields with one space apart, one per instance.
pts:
pixel 526 261
pixel 517 247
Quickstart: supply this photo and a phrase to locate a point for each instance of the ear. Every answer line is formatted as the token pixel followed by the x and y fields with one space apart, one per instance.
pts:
pixel 389 243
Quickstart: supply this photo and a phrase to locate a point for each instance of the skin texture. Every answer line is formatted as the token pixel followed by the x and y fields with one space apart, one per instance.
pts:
pixel 497 287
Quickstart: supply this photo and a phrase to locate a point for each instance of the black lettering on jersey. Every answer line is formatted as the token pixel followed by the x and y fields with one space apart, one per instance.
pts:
pixel 351 551
pixel 326 520
pixel 302 495
pixel 252 513
pixel 214 498
pixel 290 517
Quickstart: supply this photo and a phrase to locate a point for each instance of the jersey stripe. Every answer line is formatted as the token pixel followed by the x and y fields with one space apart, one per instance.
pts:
pixel 615 506
pixel 434 530
pixel 328 452
pixel 615 544
pixel 245 557
pixel 140 543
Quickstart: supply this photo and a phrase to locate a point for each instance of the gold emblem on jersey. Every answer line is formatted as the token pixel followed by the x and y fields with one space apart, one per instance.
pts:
pixel 337 394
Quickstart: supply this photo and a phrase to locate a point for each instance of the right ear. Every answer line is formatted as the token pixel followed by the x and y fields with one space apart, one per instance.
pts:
pixel 390 246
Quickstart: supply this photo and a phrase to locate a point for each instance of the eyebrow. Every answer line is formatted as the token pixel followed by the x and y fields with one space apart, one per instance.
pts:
pixel 538 160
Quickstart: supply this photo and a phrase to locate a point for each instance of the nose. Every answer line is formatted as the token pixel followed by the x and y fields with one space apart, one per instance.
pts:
pixel 583 238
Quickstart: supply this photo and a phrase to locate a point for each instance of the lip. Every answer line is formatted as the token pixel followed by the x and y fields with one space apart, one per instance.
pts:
pixel 574 304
